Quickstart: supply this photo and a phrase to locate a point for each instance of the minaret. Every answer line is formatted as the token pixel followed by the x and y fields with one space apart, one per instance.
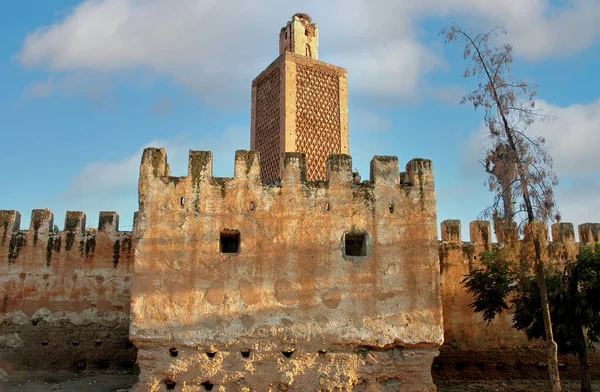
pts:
pixel 299 104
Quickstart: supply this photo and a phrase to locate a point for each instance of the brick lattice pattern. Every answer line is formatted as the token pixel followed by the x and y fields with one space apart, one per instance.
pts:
pixel 317 119
pixel 267 135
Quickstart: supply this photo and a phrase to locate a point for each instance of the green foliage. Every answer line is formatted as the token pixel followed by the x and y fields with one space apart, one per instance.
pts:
pixel 573 295
pixel 491 285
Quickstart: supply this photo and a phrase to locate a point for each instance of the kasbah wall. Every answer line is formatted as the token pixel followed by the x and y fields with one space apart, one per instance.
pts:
pixel 265 281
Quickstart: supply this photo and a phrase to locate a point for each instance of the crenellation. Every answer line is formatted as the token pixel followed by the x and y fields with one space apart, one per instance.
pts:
pixel 75 222
pixel 303 249
pixel 10 223
pixel 385 171
pixel 108 221
pixel 480 234
pixel 294 168
pixel 247 166
pixel 200 166
pixel 451 231
pixel 419 172
pixel 339 169
pixel 589 233
pixel 470 340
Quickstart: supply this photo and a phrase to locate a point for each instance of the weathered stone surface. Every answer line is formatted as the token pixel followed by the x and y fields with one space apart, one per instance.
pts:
pixel 65 295
pixel 473 349
pixel 290 285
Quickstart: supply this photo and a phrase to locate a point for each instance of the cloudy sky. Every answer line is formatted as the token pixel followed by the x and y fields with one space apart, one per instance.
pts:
pixel 86 85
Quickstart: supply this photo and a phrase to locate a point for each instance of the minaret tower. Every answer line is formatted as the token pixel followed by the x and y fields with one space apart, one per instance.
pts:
pixel 299 104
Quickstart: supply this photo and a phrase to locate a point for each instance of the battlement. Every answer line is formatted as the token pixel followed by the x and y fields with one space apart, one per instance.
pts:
pixel 384 171
pixel 481 233
pixel 278 234
pixel 80 265
pixel 240 264
pixel 66 294
pixel 75 240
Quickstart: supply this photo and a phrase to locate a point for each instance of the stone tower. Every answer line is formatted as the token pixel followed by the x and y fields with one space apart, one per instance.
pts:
pixel 299 104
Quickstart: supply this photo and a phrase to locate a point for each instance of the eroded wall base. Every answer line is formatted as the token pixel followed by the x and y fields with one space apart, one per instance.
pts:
pixel 498 364
pixel 76 342
pixel 274 368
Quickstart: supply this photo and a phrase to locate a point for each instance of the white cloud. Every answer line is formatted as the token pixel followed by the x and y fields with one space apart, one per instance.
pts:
pixel 108 179
pixel 39 90
pixel 217 47
pixel 161 106
pixel 573 137
pixel 362 120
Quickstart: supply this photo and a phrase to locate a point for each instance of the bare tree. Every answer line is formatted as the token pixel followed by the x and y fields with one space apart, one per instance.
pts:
pixel 518 164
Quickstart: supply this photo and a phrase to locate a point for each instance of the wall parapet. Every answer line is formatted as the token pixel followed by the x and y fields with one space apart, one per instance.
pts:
pixel 562 233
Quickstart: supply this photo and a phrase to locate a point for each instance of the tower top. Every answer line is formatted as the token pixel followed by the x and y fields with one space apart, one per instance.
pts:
pixel 300 36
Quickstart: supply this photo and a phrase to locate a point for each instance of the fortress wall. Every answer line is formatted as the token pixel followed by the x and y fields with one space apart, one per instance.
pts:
pixel 291 308
pixel 65 296
pixel 473 349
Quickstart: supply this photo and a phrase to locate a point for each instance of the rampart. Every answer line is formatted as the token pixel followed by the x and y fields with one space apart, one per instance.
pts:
pixel 474 350
pixel 325 285
pixel 65 295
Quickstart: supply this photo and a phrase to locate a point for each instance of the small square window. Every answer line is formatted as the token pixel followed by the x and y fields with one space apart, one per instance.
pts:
pixel 355 245
pixel 230 241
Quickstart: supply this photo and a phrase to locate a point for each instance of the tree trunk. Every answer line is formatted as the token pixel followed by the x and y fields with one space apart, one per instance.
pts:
pixel 586 377
pixel 584 365
pixel 551 347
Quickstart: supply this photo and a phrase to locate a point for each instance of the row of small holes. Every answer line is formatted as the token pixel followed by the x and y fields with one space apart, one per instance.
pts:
pixel 74 343
pixel 252 206
pixel 245 353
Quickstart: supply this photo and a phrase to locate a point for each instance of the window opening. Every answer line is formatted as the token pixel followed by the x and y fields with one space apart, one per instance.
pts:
pixel 230 241
pixel 355 245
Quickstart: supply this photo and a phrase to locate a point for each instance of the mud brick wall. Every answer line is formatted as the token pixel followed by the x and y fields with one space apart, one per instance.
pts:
pixel 304 285
pixel 473 349
pixel 65 296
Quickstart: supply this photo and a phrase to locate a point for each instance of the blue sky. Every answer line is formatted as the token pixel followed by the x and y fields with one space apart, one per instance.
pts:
pixel 87 85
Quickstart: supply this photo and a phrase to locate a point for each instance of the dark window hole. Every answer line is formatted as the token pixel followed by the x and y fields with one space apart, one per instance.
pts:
pixel 391 208
pixel 252 206
pixel 169 383
pixel 128 344
pixel 230 241
pixel 500 366
pixel 45 342
pixel 480 366
pixel 322 353
pixel 35 322
pixel 103 365
pixel 459 366
pixel 518 365
pixel 208 386
pixel 287 353
pixel 99 343
pixel 355 245
pixel 182 201
pixel 173 351
pixel 211 354
pixel 75 342
pixel 245 353
pixel 327 207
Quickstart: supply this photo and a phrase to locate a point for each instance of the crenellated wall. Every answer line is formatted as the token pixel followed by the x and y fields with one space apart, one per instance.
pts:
pixel 65 296
pixel 334 285
pixel 474 349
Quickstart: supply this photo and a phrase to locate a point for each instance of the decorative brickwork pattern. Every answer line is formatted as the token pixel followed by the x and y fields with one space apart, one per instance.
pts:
pixel 317 118
pixel 268 137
